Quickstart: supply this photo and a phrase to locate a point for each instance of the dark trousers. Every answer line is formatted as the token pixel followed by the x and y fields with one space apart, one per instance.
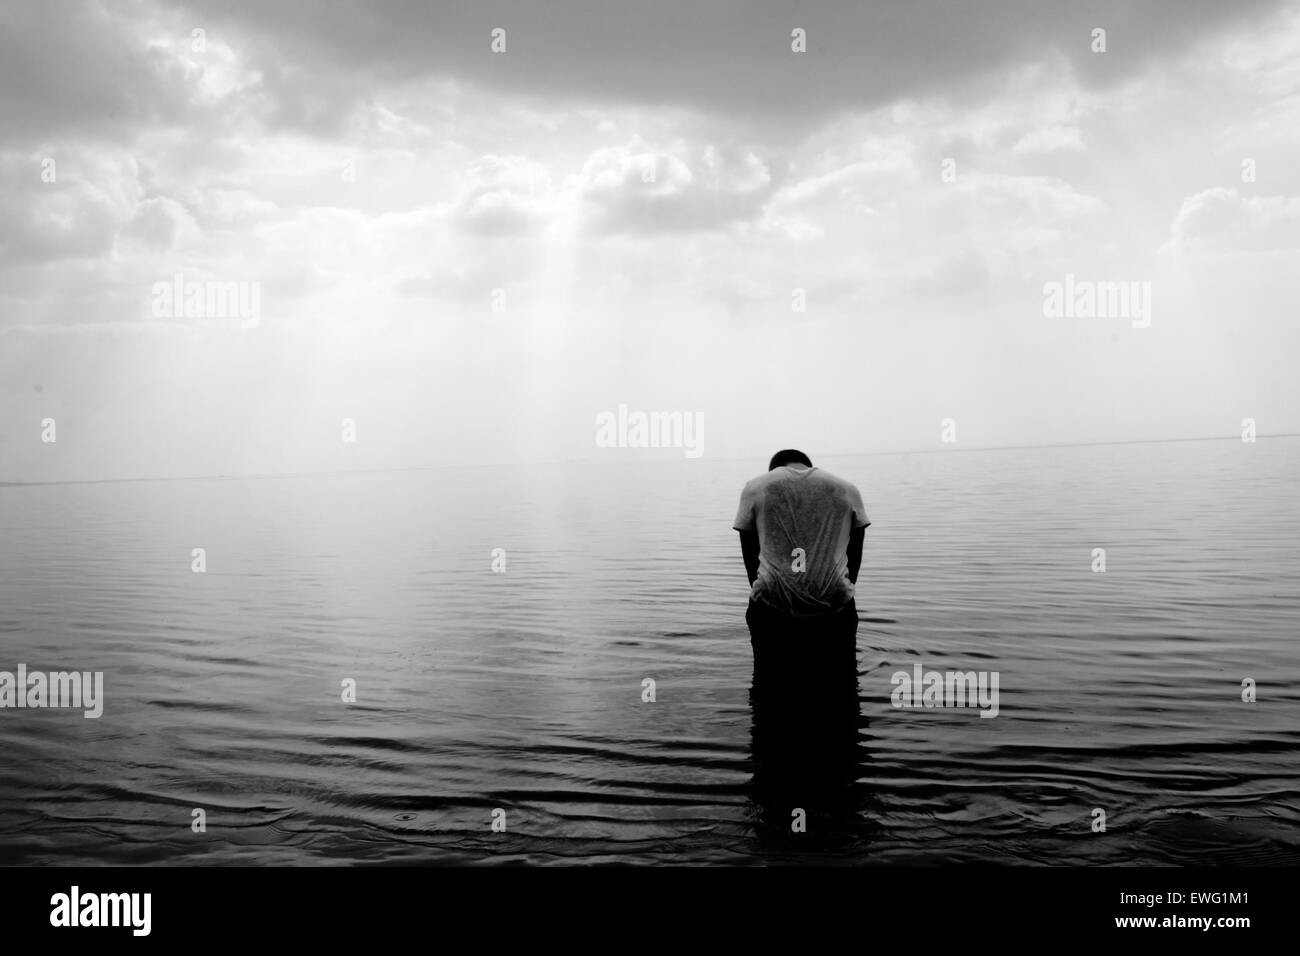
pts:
pixel 805 719
pixel 803 649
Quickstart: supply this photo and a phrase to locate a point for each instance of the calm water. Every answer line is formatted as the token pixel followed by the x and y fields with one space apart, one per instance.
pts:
pixel 522 690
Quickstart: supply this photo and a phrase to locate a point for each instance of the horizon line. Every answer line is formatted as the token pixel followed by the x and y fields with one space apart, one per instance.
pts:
pixel 569 461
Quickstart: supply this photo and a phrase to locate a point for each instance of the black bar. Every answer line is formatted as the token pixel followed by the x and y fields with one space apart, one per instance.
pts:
pixel 909 908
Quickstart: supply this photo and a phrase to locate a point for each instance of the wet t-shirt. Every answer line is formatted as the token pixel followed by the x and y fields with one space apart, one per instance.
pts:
pixel 803 517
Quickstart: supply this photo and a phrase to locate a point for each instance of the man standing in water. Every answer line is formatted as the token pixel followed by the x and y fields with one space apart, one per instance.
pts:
pixel 801 532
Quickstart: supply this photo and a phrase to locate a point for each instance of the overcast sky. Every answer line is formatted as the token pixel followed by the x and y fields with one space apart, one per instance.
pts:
pixel 649 184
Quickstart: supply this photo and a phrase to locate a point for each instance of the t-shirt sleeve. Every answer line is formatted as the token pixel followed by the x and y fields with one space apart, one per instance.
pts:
pixel 746 514
pixel 860 519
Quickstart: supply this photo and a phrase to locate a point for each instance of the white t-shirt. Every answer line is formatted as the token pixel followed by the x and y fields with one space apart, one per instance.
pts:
pixel 796 507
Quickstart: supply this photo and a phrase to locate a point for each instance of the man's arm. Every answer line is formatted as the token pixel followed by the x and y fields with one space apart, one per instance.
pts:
pixel 855 552
pixel 749 551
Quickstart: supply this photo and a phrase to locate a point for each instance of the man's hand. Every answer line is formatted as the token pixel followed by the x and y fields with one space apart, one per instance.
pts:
pixel 749 551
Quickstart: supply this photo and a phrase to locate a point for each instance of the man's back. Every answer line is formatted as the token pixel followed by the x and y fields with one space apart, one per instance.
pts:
pixel 803 517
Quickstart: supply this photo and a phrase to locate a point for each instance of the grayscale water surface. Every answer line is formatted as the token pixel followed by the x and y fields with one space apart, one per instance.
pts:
pixel 522 690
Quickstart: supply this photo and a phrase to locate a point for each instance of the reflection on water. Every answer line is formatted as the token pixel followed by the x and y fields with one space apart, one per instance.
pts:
pixel 522 690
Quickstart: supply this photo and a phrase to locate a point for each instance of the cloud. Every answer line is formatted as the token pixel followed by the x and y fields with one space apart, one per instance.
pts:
pixel 159 223
pixel 635 190
pixel 1223 219
pixel 107 71
pixel 1048 200
pixel 729 58
pixel 503 196
pixel 853 184
pixel 624 190
pixel 659 174
pixel 295 64
pixel 1049 139
pixel 69 218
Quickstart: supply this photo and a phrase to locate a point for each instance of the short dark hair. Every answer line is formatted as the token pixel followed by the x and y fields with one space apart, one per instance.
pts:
pixel 789 456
